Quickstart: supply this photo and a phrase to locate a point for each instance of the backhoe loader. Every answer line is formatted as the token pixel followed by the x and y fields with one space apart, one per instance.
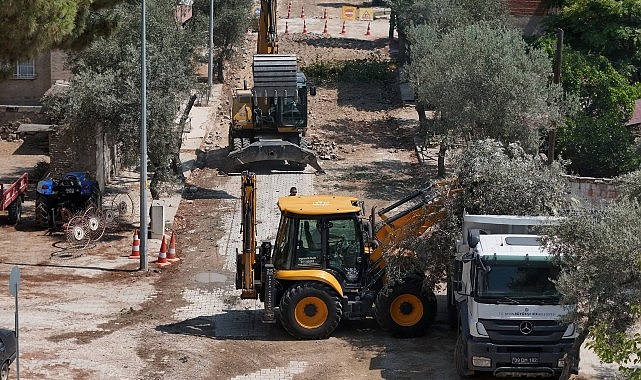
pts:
pixel 269 121
pixel 326 263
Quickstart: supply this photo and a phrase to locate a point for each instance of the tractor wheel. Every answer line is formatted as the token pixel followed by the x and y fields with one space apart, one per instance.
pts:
pixel 460 358
pixel 15 211
pixel 237 143
pixel 405 311
pixel 4 371
pixel 310 310
pixel 43 213
pixel 96 197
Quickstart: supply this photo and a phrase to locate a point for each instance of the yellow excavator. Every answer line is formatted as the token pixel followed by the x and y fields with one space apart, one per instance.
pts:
pixel 269 121
pixel 326 263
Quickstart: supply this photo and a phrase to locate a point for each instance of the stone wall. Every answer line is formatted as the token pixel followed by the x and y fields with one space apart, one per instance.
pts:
pixel 84 152
pixel 593 189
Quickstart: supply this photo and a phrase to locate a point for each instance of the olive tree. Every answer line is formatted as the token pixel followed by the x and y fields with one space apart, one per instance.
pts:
pixel 104 94
pixel 489 177
pixel 483 80
pixel 599 251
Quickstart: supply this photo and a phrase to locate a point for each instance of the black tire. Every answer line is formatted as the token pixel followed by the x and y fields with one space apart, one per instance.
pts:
pixel 310 310
pixel 405 311
pixel 4 371
pixel 303 143
pixel 96 197
pixel 15 211
pixel 460 358
pixel 237 143
pixel 43 212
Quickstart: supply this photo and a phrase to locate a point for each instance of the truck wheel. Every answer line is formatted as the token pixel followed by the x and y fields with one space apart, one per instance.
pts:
pixel 310 310
pixel 43 218
pixel 15 211
pixel 460 357
pixel 405 311
pixel 4 371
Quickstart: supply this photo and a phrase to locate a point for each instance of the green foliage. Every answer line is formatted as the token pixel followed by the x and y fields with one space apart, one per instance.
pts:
pixel 630 185
pixel 349 71
pixel 618 347
pixel 442 16
pixel 232 19
pixel 504 180
pixel 104 94
pixel 484 81
pixel 604 27
pixel 31 27
pixel 598 146
pixel 599 251
pixel 493 178
pixel 595 139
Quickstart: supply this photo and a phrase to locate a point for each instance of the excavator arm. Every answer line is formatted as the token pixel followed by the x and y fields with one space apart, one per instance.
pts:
pixel 267 42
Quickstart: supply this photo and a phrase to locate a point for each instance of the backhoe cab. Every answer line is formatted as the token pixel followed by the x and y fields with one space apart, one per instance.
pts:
pixel 326 263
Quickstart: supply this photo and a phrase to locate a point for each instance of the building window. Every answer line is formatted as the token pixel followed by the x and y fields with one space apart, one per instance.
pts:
pixel 25 70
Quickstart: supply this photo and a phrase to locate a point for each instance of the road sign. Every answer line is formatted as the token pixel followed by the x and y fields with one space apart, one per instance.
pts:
pixel 14 280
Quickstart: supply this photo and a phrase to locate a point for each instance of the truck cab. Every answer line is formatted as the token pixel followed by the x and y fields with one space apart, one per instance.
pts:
pixel 506 305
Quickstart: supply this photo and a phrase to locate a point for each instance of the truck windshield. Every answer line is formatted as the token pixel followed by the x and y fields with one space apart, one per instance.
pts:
pixel 522 279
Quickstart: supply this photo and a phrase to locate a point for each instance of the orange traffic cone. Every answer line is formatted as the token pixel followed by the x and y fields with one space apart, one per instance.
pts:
pixel 162 255
pixel 325 13
pixel 344 31
pixel 302 12
pixel 369 30
pixel 135 247
pixel 286 28
pixel 171 255
pixel 325 28
pixel 304 27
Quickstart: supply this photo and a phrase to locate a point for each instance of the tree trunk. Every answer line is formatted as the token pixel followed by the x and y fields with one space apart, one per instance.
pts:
pixel 441 159
pixel 392 25
pixel 422 116
pixel 572 357
pixel 153 186
pixel 221 73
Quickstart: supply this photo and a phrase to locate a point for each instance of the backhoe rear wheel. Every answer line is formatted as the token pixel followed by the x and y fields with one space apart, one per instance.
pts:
pixel 405 311
pixel 310 310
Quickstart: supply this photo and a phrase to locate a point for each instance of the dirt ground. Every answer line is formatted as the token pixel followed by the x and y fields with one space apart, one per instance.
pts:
pixel 91 314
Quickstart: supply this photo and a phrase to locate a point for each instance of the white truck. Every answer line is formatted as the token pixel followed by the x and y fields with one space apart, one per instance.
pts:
pixel 502 298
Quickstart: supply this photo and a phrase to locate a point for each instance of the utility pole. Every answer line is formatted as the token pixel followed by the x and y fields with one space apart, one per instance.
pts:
pixel 143 140
pixel 558 59
pixel 210 72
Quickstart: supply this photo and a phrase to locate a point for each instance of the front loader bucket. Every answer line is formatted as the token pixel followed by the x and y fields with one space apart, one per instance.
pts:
pixel 275 150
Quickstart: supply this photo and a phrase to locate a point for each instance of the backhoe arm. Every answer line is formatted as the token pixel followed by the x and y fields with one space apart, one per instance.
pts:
pixel 245 271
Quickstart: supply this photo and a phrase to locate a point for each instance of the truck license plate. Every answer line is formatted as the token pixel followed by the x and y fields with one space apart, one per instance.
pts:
pixel 69 191
pixel 525 360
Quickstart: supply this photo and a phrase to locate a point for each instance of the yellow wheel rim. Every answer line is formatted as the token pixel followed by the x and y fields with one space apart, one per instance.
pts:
pixel 406 310
pixel 311 312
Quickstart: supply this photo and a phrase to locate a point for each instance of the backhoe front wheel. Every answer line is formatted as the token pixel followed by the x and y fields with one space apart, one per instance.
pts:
pixel 310 310
pixel 405 311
